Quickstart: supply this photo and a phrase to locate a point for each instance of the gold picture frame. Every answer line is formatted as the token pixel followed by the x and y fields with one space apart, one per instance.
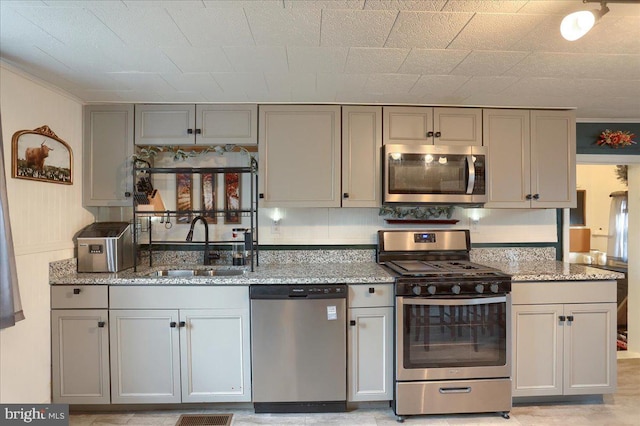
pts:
pixel 232 200
pixel 208 197
pixel 41 155
pixel 184 197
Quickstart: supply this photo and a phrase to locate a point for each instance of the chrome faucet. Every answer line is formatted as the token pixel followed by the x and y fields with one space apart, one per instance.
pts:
pixel 207 259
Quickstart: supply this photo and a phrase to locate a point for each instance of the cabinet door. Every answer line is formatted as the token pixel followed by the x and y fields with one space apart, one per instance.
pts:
pixel 537 350
pixel 553 159
pixel 370 354
pixel 408 125
pixel 457 126
pixel 107 150
pixel 80 356
pixel 215 356
pixel 165 124
pixel 590 349
pixel 361 143
pixel 227 124
pixel 145 358
pixel 507 135
pixel 299 154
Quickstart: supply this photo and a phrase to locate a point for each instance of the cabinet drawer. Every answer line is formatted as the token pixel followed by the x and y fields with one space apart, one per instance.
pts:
pixel 179 297
pixel 370 295
pixel 79 296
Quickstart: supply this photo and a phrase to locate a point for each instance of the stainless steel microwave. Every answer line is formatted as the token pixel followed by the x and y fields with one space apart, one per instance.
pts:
pixel 434 174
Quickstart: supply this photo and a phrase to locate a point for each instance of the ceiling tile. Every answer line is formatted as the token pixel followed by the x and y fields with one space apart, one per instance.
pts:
pixel 486 6
pixel 317 59
pixel 374 60
pixel 192 82
pixel 488 84
pixel 142 81
pixel 390 83
pixel 426 29
pixel 241 83
pixel 358 28
pixel 432 61
pixel 213 27
pixel 262 4
pixel 291 86
pixel 325 4
pixel 542 86
pixel 252 58
pixel 291 27
pixel 198 4
pixel 485 63
pixel 418 5
pixel 500 31
pixel 199 59
pixel 438 84
pixel 347 84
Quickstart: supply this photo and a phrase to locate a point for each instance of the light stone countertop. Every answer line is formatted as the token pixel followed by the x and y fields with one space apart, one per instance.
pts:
pixel 322 273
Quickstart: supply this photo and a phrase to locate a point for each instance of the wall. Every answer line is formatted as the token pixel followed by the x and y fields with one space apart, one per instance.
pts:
pixel 588 133
pixel 44 217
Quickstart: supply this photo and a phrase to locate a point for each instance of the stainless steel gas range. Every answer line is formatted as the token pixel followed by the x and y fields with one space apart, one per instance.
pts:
pixel 453 331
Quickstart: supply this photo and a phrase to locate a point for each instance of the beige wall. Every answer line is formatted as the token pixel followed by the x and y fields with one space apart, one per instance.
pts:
pixel 44 217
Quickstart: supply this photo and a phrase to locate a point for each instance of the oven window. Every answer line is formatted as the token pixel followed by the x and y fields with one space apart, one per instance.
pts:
pixel 427 174
pixel 454 336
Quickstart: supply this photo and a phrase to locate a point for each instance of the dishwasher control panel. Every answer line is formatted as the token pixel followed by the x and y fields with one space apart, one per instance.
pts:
pixel 314 291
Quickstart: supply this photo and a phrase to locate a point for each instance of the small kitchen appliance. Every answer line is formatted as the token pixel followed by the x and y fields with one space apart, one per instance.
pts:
pixel 105 247
pixel 453 325
pixel 428 174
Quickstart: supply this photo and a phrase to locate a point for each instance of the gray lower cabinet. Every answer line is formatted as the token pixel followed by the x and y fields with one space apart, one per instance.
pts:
pixel 564 338
pixel 79 345
pixel 196 352
pixel 370 343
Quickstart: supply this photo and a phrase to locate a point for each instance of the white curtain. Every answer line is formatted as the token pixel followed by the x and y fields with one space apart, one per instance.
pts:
pixel 10 306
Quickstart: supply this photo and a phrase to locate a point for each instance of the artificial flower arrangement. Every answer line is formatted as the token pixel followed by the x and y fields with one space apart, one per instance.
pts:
pixel 616 138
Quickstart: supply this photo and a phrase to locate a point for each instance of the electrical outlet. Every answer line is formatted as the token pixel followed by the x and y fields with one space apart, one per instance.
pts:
pixel 275 227
pixel 473 224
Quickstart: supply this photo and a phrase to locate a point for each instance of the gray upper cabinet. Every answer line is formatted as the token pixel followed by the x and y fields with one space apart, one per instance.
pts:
pixel 432 126
pixel 531 158
pixel 188 124
pixel 107 152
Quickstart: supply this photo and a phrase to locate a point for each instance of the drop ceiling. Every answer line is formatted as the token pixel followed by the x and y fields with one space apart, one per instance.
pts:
pixel 441 52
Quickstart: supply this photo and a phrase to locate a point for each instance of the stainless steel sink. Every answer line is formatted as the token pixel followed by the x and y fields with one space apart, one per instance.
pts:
pixel 179 273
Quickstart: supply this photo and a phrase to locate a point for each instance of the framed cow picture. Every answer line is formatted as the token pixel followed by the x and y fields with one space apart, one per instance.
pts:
pixel 40 154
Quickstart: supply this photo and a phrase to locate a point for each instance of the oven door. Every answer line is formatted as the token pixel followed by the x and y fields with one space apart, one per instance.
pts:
pixel 453 337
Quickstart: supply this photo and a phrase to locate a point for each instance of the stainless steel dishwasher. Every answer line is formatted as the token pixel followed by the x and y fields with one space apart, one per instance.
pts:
pixel 298 348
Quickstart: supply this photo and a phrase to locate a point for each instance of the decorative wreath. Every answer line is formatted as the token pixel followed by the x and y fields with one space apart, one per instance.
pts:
pixel 616 138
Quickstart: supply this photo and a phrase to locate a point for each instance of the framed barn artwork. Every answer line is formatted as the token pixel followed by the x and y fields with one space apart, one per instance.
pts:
pixel 232 198
pixel 41 155
pixel 184 197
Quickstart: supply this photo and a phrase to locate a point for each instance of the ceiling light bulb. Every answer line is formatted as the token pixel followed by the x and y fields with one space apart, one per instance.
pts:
pixel 396 155
pixel 442 160
pixel 428 158
pixel 577 24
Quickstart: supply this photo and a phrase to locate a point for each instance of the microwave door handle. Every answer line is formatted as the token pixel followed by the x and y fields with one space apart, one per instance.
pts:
pixel 472 174
pixel 453 301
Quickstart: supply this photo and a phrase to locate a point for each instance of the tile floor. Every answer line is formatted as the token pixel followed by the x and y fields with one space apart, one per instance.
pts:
pixel 622 408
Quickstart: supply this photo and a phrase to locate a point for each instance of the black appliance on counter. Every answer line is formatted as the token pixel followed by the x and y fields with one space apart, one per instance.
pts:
pixel 453 325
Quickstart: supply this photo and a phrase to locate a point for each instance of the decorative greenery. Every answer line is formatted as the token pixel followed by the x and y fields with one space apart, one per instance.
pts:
pixel 416 212
pixel 181 153
pixel 622 174
pixel 616 138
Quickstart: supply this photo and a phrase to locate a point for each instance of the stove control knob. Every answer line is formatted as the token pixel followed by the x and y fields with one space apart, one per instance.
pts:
pixel 494 288
pixel 431 290
pixel 479 288
pixel 455 289
pixel 416 290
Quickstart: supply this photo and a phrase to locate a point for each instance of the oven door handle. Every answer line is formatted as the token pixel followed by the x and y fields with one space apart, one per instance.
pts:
pixel 472 174
pixel 453 301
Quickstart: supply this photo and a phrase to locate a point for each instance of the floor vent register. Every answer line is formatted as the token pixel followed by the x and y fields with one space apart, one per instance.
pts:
pixel 204 420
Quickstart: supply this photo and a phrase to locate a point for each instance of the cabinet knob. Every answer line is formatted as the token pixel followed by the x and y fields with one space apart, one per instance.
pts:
pixel 101 324
pixel 127 194
pixel 182 324
pixel 345 195
pixel 429 134
pixel 172 324
pixel 562 318
pixel 190 131
pixel 76 291
pixel 372 290
pixel 570 318
pixel 528 196
pixel 438 134
pixel 536 196
pixel 260 195
pixel 198 131
pixel 352 323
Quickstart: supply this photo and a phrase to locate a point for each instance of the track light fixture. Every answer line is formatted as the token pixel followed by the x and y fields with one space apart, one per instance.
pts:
pixel 577 24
